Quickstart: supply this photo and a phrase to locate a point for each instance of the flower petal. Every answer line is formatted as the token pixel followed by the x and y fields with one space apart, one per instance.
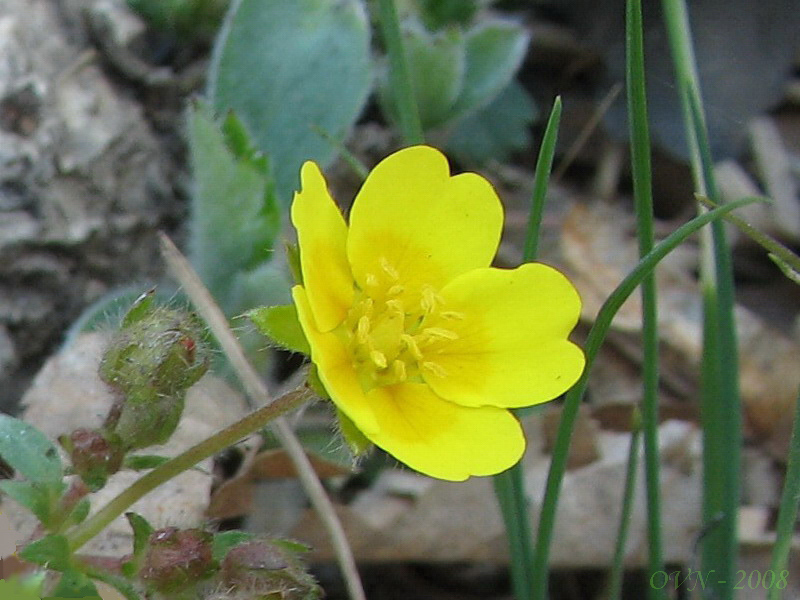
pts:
pixel 335 367
pixel 427 226
pixel 512 348
pixel 440 438
pixel 322 237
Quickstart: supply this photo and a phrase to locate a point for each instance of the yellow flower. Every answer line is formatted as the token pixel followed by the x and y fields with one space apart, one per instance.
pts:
pixel 416 339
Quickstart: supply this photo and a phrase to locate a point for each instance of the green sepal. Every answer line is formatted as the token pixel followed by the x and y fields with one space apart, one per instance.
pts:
pixel 356 441
pixel 281 325
pixel 292 545
pixel 51 551
pixel 293 260
pixel 121 584
pixel 226 540
pixel 74 584
pixel 140 308
pixel 315 383
pixel 141 532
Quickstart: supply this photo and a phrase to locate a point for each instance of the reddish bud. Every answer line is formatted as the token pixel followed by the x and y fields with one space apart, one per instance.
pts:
pixel 177 558
pixel 94 457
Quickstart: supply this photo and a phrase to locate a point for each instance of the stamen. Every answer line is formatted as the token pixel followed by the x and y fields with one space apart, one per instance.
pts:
pixel 396 290
pixel 399 369
pixel 369 305
pixel 452 315
pixel 411 344
pixel 440 332
pixel 378 358
pixel 395 306
pixel 388 269
pixel 371 280
pixel 362 329
pixel 428 300
pixel 434 368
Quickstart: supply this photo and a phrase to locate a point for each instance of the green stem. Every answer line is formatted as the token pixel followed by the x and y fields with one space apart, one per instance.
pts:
pixel 787 513
pixel 643 198
pixel 572 402
pixel 544 165
pixel 720 400
pixel 186 460
pixel 399 75
pixel 617 568
pixel 786 259
pixel 509 486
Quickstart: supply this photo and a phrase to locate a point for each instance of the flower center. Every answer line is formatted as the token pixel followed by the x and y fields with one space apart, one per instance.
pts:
pixel 393 334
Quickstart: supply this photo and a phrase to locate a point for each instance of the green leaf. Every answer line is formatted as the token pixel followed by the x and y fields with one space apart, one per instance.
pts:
pixel 436 63
pixel 225 541
pixel 356 441
pixel 74 584
pixel 39 498
pixel 281 325
pixel 288 68
pixel 495 50
pixel 496 130
pixel 235 218
pixel 51 551
pixel 440 13
pixel 267 284
pixel 187 19
pixel 16 589
pixel 29 451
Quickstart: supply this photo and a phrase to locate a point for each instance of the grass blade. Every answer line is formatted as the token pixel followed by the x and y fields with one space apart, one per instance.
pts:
pixel 643 198
pixel 787 513
pixel 617 567
pixel 509 485
pixel 399 76
pixel 597 334
pixel 721 405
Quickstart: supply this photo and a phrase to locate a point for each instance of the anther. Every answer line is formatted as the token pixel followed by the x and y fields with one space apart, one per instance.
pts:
pixel 411 344
pixel 396 290
pixel 395 306
pixel 440 332
pixel 371 280
pixel 378 358
pixel 388 269
pixel 434 368
pixel 399 369
pixel 362 329
pixel 452 315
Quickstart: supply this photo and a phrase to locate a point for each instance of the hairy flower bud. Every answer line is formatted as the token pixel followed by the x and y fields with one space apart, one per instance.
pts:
pixel 94 457
pixel 177 558
pixel 157 354
pixel 267 569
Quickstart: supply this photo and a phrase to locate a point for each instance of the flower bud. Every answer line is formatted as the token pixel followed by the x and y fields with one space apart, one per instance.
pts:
pixel 266 569
pixel 94 457
pixel 152 360
pixel 177 558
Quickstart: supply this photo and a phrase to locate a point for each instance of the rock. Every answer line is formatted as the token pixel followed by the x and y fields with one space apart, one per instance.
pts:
pixel 85 180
